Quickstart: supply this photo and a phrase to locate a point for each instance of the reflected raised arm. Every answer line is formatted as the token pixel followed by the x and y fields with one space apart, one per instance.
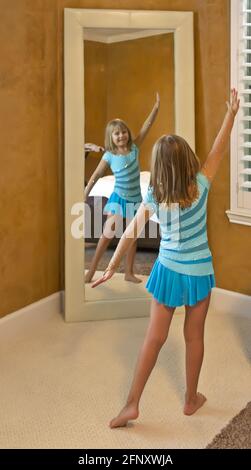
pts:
pixel 148 122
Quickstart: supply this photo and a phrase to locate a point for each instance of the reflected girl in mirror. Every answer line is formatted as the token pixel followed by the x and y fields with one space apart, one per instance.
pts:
pixel 122 157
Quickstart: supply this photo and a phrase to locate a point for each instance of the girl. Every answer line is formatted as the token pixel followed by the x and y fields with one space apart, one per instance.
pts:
pixel 183 273
pixel 122 157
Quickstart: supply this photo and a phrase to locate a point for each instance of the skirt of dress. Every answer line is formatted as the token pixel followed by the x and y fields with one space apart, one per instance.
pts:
pixel 120 206
pixel 174 289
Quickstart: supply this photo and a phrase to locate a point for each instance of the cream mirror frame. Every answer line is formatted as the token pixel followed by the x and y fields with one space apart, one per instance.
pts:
pixel 75 20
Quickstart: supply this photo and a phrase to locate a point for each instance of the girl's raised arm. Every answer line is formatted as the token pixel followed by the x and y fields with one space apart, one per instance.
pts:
pixel 131 233
pixel 148 122
pixel 215 156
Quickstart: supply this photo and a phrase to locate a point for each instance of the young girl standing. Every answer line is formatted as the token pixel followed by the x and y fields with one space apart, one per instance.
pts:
pixel 122 157
pixel 183 273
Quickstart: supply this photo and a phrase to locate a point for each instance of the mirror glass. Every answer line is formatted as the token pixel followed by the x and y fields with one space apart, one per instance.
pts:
pixel 123 70
pixel 115 73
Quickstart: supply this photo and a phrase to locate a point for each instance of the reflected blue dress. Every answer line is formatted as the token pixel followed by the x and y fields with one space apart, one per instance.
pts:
pixel 126 196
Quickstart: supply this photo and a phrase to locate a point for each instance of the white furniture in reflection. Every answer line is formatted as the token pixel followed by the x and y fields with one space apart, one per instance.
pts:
pixel 105 185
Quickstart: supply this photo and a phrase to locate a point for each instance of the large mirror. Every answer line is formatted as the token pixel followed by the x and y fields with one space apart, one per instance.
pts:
pixel 116 64
pixel 115 61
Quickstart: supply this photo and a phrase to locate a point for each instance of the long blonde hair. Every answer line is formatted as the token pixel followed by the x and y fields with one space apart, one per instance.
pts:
pixel 173 171
pixel 116 123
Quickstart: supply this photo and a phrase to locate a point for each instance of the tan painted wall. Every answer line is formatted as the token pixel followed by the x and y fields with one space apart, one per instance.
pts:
pixel 146 65
pixel 121 80
pixel 30 174
pixel 31 135
pixel 95 89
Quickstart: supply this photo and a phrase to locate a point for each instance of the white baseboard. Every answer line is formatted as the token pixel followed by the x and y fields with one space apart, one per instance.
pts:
pixel 222 301
pixel 54 301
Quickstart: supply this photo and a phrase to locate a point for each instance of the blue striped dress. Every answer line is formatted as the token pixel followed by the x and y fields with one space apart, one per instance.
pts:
pixel 183 273
pixel 126 196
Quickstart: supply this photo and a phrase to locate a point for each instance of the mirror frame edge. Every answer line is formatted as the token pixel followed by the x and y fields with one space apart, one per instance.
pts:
pixel 76 309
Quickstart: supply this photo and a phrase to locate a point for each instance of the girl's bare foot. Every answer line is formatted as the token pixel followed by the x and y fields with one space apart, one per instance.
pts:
pixel 132 278
pixel 193 405
pixel 129 412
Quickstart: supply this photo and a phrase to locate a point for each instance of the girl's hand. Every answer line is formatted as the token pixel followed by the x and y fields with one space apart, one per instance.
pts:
pixel 93 148
pixel 233 106
pixel 107 275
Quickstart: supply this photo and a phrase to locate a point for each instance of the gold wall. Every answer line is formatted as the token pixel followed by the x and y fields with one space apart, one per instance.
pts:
pixel 30 173
pixel 95 91
pixel 31 135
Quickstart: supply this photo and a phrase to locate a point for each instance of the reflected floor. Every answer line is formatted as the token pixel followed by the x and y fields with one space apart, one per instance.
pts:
pixel 116 288
pixel 144 259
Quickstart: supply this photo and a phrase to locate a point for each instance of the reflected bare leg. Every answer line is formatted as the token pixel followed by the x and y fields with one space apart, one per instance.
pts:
pixel 156 335
pixel 102 245
pixel 129 261
pixel 194 337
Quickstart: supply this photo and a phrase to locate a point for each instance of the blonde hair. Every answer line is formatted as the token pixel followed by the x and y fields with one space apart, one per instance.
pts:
pixel 173 171
pixel 115 123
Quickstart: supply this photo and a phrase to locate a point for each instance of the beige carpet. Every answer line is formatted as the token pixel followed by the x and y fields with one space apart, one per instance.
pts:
pixel 61 383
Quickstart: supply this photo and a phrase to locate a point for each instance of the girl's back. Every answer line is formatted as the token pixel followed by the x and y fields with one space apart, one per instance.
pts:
pixel 184 245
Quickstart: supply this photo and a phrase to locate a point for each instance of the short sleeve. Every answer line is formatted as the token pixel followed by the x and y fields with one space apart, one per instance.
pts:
pixel 149 201
pixel 135 148
pixel 107 158
pixel 203 180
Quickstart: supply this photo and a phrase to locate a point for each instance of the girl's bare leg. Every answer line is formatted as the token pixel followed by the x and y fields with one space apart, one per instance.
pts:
pixel 156 335
pixel 194 338
pixel 102 245
pixel 129 276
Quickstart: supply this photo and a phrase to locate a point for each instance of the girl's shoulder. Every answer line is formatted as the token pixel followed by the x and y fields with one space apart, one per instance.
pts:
pixel 107 156
pixel 149 197
pixel 149 200
pixel 203 180
pixel 134 148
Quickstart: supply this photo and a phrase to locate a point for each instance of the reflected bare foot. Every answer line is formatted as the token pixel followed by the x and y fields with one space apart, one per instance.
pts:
pixel 88 277
pixel 128 413
pixel 191 407
pixel 132 278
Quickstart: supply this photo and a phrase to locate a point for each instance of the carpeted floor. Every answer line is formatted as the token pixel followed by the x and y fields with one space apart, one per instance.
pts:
pixel 144 260
pixel 237 434
pixel 62 383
